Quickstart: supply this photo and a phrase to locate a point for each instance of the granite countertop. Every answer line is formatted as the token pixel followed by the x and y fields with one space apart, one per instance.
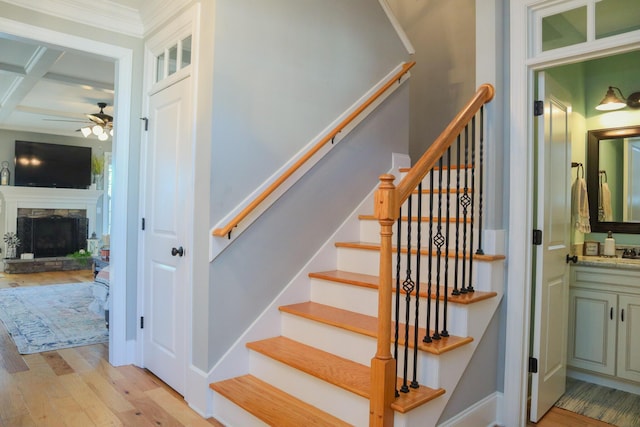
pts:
pixel 609 262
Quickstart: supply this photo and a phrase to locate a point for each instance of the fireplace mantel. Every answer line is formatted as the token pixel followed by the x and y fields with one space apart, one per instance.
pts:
pixel 48 198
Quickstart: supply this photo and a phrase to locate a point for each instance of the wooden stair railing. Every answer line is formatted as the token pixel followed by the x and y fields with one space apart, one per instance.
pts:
pixel 388 202
pixel 226 229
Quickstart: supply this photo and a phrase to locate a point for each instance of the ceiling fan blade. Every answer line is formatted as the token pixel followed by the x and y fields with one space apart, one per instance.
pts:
pixel 62 120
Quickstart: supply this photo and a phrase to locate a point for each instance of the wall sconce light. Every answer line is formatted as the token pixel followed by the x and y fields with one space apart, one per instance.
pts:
pixel 612 102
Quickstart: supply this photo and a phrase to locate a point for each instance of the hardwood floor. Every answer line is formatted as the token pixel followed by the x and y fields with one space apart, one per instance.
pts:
pixel 557 417
pixel 77 386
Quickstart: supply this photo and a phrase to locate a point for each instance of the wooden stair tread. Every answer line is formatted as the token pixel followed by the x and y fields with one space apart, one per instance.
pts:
pixel 370 281
pixel 272 405
pixel 376 247
pixel 335 370
pixel 415 219
pixel 368 325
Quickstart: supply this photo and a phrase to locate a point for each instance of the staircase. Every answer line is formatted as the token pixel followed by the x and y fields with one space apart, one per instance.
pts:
pixel 319 371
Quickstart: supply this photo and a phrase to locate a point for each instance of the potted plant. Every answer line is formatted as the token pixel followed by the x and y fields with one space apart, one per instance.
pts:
pixel 97 170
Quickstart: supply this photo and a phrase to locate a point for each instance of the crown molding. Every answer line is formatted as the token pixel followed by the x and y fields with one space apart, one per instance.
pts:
pixel 104 14
pixel 156 13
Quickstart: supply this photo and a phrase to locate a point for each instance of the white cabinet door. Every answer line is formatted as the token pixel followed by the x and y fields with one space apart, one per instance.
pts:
pixel 629 338
pixel 592 330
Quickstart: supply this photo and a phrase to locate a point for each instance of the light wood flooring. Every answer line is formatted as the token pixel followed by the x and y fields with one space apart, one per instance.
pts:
pixel 77 386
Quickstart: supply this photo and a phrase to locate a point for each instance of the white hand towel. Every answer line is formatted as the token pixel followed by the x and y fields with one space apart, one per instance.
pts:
pixel 580 206
pixel 606 202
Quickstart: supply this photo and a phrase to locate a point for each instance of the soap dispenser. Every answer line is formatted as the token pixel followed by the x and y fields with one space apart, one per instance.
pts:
pixel 609 245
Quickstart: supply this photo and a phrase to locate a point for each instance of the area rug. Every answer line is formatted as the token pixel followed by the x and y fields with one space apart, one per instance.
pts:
pixel 44 318
pixel 606 404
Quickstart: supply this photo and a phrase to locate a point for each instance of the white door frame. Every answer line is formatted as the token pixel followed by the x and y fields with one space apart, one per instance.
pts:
pixel 119 352
pixel 521 144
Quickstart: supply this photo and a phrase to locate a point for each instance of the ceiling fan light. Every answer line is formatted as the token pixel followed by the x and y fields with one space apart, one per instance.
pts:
pixel 97 130
pixel 111 131
pixel 86 131
pixel 103 136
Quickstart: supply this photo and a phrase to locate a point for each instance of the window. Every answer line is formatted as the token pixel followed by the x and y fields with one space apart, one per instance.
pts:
pixel 173 59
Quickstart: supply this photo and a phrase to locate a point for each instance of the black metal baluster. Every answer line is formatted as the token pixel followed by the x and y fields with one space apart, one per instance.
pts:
pixel 439 241
pixel 465 201
pixel 416 322
pixel 457 192
pixel 407 287
pixel 480 250
pixel 445 332
pixel 427 336
pixel 473 192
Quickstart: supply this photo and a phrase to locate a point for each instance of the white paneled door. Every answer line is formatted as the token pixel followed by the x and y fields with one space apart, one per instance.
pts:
pixel 553 218
pixel 168 160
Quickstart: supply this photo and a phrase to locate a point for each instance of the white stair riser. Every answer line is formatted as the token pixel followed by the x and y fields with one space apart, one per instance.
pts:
pixel 367 262
pixel 370 232
pixel 365 301
pixel 350 345
pixel 334 400
pixel 231 415
pixel 353 346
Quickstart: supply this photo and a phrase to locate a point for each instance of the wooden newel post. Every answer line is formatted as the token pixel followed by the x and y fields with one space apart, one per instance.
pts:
pixel 383 365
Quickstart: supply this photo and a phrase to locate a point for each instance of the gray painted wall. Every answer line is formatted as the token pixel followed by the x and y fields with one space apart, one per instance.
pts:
pixel 283 71
pixel 249 274
pixel 443 35
pixel 480 376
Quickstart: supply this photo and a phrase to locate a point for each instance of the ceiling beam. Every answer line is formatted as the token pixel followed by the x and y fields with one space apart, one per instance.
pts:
pixel 79 81
pixel 38 65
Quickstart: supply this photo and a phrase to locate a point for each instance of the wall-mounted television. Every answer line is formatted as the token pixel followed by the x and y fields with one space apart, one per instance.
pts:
pixel 39 164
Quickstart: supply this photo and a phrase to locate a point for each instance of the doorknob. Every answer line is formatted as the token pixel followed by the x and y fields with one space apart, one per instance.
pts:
pixel 573 259
pixel 180 251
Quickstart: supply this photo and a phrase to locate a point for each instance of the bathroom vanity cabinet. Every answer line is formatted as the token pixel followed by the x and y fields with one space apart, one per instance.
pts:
pixel 604 320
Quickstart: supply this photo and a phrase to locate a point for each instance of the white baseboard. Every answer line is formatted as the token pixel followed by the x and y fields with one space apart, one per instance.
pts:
pixel 199 395
pixel 482 413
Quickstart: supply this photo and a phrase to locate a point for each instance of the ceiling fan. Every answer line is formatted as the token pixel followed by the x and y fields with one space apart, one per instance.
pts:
pixel 101 124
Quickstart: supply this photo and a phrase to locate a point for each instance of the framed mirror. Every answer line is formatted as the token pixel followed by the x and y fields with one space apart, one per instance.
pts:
pixel 613 179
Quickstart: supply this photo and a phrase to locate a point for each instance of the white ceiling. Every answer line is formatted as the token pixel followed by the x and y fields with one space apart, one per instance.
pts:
pixel 49 90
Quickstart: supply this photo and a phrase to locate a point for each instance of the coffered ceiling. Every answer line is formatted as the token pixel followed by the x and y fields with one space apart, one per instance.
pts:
pixel 48 89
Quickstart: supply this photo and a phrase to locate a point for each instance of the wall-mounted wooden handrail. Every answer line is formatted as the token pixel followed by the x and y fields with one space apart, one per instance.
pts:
pixel 224 231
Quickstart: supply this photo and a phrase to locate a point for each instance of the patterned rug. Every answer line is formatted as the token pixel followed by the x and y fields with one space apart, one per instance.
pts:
pixel 44 318
pixel 606 404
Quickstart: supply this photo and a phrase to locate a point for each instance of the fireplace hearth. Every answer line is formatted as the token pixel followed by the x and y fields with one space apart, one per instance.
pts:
pixel 51 236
